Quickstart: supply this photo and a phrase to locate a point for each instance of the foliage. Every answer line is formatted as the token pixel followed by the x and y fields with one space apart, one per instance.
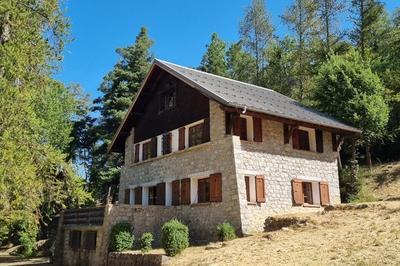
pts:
pixel 225 231
pixel 256 33
pixel 36 112
pixel 350 183
pixel 174 237
pixel 214 59
pixel 27 232
pixel 121 237
pixel 240 63
pixel 145 242
pixel 118 88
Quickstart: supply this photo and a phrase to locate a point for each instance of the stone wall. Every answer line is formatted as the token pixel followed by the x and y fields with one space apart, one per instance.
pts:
pixel 280 163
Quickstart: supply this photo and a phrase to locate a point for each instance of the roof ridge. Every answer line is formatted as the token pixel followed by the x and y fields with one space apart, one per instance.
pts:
pixel 210 74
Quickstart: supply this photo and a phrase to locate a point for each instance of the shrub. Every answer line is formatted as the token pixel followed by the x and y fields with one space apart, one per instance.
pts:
pixel 27 231
pixel 350 182
pixel 225 231
pixel 121 237
pixel 145 242
pixel 174 237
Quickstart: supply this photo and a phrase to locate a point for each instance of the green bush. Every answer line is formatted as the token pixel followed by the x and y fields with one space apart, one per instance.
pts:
pixel 145 242
pixel 225 231
pixel 350 182
pixel 121 237
pixel 27 231
pixel 174 237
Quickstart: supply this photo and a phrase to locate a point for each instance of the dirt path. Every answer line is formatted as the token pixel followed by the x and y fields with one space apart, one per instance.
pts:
pixel 369 236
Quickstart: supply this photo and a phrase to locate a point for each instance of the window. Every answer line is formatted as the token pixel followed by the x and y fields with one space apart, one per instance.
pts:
pixel 166 143
pixel 203 190
pixel 75 239
pixel 147 150
pixel 168 100
pixel 243 128
pixel 307 192
pixel 195 135
pixel 153 195
pixel 255 188
pixel 89 240
pixel 301 139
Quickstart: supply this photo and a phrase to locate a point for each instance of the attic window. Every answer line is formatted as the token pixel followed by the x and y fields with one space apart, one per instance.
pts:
pixel 167 100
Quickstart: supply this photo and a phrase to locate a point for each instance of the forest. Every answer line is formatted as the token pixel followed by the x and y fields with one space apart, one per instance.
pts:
pixel 48 128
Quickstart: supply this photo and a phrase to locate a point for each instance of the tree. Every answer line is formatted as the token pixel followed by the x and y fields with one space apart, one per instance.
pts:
pixel 119 87
pixel 346 88
pixel 214 59
pixel 240 63
pixel 36 115
pixel 301 18
pixel 280 73
pixel 256 33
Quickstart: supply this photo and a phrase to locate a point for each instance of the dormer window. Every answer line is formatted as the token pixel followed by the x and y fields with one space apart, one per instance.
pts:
pixel 167 100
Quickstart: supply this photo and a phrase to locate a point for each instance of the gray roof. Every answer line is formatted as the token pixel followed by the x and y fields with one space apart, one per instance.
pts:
pixel 254 98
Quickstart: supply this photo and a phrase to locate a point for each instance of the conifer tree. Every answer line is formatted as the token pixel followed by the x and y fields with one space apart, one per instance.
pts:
pixel 240 63
pixel 119 87
pixel 214 59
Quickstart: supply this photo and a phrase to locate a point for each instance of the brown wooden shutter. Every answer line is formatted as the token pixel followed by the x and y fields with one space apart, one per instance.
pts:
pixel 297 187
pixel 324 193
pixel 166 143
pixel 319 136
pixel 228 123
pixel 185 191
pixel 257 128
pixel 176 191
pixel 154 147
pixel 206 130
pixel 137 146
pixel 243 128
pixel 160 192
pixel 236 124
pixel 216 187
pixel 138 195
pixel 247 182
pixel 127 196
pixel 295 139
pixel 182 138
pixel 202 185
pixel 286 136
pixel 334 142
pixel 260 188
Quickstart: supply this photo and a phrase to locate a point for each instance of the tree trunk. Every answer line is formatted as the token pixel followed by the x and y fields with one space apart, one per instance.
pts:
pixel 339 160
pixel 353 150
pixel 368 155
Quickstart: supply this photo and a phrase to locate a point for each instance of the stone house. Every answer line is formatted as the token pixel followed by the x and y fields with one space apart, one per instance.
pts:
pixel 207 149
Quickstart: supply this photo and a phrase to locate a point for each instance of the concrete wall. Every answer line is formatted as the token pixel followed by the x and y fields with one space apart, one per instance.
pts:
pixel 280 163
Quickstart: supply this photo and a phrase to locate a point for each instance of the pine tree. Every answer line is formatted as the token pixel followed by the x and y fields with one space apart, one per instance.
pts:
pixel 240 63
pixel 214 59
pixel 256 33
pixel 301 17
pixel 118 88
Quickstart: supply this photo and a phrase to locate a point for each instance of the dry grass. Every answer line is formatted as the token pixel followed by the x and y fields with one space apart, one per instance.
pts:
pixel 368 235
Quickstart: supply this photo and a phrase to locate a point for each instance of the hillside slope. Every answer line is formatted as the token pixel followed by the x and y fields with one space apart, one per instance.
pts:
pixel 365 235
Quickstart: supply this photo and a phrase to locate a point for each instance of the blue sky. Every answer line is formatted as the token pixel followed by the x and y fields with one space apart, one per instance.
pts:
pixel 180 29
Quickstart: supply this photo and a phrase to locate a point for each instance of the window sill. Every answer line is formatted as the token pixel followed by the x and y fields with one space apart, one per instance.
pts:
pixel 200 204
pixel 252 203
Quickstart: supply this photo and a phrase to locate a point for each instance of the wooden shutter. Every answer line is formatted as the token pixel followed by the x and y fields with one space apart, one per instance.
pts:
pixel 206 130
pixel 228 123
pixel 127 196
pixel 236 124
pixel 295 139
pixel 176 191
pixel 257 128
pixel 286 136
pixel 297 187
pixel 185 191
pixel 260 188
pixel 247 182
pixel 154 147
pixel 137 146
pixel 243 128
pixel 324 193
pixel 216 187
pixel 334 142
pixel 319 136
pixel 160 194
pixel 203 190
pixel 138 195
pixel 182 138
pixel 166 143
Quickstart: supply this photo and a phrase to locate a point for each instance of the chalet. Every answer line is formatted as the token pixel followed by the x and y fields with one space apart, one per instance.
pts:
pixel 208 149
